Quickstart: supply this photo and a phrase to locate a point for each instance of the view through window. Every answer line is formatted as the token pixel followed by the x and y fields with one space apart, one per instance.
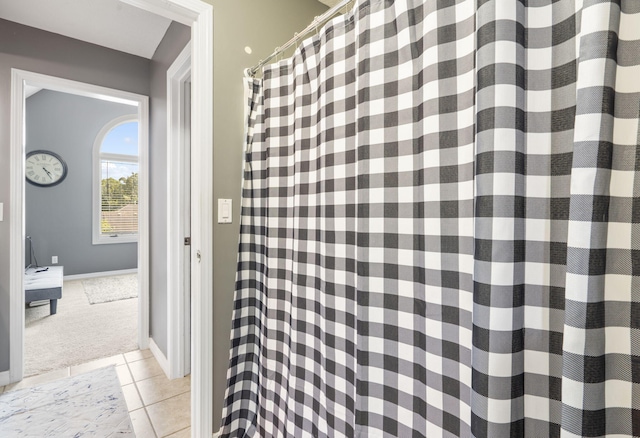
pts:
pixel 119 182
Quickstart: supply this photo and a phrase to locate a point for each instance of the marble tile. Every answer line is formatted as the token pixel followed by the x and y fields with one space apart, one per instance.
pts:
pixel 137 355
pixel 90 404
pixel 118 359
pixel 132 397
pixel 184 433
pixel 171 415
pixel 160 388
pixel 38 380
pixel 36 396
pixel 145 368
pixel 124 375
pixel 141 424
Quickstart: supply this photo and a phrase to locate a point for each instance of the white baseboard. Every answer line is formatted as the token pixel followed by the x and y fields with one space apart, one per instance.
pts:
pixel 5 378
pixel 160 357
pixel 100 274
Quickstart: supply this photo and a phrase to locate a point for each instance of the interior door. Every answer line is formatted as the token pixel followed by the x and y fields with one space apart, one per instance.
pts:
pixel 186 132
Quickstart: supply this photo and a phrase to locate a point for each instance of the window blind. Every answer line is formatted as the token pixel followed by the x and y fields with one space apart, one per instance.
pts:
pixel 119 198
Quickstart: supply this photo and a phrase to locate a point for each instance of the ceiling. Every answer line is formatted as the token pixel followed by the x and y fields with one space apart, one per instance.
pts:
pixel 107 23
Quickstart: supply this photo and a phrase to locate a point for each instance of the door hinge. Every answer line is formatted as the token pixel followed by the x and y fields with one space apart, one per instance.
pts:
pixel 187 241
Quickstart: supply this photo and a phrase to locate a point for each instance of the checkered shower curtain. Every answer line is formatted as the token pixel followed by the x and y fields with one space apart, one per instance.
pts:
pixel 440 231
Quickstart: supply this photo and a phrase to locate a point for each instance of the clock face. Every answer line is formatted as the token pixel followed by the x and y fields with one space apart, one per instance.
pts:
pixel 44 168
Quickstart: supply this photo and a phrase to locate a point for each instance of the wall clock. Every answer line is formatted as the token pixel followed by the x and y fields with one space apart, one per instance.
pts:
pixel 45 168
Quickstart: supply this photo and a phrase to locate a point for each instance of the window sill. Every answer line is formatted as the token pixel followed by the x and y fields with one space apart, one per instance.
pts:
pixel 115 240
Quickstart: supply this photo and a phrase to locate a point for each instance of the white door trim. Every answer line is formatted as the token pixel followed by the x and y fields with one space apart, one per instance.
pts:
pixel 198 15
pixel 17 232
pixel 177 75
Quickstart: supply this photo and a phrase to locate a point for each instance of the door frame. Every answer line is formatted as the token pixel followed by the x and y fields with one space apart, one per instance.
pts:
pixel 177 75
pixel 19 79
pixel 199 16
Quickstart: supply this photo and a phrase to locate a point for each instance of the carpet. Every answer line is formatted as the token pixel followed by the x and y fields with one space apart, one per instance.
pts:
pixel 112 288
pixel 87 405
pixel 79 332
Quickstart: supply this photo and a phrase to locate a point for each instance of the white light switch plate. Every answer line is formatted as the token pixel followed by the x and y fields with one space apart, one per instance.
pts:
pixel 225 215
pixel 1 211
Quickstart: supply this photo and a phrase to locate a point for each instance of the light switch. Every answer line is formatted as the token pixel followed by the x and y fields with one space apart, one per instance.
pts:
pixel 1 211
pixel 225 216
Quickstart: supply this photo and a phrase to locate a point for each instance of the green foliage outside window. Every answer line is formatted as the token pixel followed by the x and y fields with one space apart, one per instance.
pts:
pixel 119 205
pixel 118 193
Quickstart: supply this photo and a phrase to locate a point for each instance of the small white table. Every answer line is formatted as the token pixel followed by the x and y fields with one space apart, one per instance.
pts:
pixel 44 283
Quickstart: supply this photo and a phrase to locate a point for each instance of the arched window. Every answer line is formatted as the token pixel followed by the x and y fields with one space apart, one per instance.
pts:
pixel 115 212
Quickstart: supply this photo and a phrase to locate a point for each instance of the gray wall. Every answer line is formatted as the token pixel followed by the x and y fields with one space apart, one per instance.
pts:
pixel 175 39
pixel 59 218
pixel 261 25
pixel 34 50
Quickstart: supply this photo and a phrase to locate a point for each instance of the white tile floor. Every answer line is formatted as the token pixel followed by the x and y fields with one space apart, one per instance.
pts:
pixel 158 407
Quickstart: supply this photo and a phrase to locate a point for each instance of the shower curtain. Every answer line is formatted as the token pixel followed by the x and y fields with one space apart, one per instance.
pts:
pixel 440 232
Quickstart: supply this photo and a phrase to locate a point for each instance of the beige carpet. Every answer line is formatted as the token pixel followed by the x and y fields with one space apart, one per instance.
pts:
pixel 79 332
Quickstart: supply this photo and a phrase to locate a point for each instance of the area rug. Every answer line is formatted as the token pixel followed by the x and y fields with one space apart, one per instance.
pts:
pixel 79 332
pixel 87 405
pixel 112 288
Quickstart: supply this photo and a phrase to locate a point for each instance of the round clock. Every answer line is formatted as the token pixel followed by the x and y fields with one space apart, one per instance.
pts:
pixel 45 168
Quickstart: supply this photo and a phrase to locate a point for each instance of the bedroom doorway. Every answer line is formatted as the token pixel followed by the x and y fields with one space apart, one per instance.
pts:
pixel 89 236
pixel 98 245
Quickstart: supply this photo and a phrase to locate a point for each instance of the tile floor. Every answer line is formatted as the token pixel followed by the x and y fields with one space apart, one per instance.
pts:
pixel 158 407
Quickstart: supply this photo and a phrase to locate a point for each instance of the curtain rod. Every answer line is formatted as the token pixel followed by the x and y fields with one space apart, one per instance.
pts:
pixel 318 21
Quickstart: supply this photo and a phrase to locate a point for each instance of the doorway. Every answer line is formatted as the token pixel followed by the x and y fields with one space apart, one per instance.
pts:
pixel 199 16
pixel 20 81
pixel 83 225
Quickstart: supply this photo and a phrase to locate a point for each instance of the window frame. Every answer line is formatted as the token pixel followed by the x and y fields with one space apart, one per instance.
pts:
pixel 96 208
